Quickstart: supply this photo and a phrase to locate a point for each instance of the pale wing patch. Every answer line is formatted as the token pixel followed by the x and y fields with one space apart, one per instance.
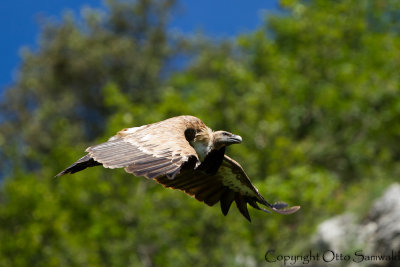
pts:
pixel 126 132
pixel 232 181
pixel 133 130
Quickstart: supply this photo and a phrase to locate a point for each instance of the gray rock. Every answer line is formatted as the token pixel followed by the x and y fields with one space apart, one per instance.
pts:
pixel 378 235
pixel 386 214
pixel 336 233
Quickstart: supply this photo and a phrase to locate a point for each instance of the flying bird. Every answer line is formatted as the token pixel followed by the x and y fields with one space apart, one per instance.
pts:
pixel 182 153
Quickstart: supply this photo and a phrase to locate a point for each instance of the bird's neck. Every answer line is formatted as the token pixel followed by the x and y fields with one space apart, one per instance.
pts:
pixel 203 143
pixel 202 149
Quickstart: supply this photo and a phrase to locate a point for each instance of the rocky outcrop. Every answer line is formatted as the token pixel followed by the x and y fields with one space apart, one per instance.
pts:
pixel 373 242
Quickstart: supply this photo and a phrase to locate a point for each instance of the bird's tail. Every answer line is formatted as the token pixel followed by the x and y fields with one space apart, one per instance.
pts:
pixel 80 165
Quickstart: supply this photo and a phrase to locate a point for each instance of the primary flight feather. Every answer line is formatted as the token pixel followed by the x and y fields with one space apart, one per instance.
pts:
pixel 182 153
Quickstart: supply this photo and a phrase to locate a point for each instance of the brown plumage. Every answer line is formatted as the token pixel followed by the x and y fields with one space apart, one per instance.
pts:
pixel 182 153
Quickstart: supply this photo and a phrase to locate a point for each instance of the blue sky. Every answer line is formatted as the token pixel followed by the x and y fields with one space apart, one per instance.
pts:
pixel 216 18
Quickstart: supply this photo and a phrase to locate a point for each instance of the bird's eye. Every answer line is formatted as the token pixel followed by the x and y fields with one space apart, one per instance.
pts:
pixel 226 134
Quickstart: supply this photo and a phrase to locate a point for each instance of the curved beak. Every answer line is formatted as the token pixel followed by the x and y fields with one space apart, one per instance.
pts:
pixel 235 139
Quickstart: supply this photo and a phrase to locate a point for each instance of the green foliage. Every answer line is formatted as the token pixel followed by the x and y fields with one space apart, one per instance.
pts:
pixel 314 93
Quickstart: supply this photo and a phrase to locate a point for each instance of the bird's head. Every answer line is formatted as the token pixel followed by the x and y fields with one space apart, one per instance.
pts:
pixel 224 138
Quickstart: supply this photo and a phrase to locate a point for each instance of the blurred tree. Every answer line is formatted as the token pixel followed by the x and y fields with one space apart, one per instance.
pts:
pixel 314 93
pixel 57 97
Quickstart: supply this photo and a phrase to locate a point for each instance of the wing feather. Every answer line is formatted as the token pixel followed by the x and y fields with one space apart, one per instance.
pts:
pixel 213 198
pixel 230 183
pixel 152 150
pixel 227 198
pixel 204 195
pixel 241 204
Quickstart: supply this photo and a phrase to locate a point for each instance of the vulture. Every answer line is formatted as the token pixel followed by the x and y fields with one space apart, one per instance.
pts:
pixel 182 153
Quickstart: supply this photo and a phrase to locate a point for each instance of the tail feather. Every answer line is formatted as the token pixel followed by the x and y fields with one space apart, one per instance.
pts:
pixel 80 165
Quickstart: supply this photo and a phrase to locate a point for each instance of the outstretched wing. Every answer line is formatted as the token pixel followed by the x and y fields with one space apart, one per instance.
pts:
pixel 229 184
pixel 159 149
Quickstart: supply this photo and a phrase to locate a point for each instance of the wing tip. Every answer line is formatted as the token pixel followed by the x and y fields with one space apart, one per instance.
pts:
pixel 59 174
pixel 79 165
pixel 66 171
pixel 282 208
pixel 278 207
